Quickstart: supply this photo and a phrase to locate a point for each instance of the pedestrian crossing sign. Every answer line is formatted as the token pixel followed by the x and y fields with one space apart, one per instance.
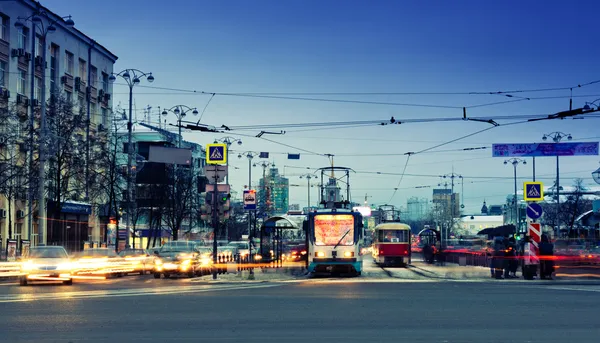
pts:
pixel 216 153
pixel 534 191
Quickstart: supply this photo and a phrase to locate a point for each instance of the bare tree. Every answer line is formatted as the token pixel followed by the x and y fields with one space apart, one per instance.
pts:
pixel 66 167
pixel 107 175
pixel 575 205
pixel 179 198
pixel 13 178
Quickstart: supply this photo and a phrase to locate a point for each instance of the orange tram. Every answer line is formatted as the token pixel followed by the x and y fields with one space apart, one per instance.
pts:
pixel 392 244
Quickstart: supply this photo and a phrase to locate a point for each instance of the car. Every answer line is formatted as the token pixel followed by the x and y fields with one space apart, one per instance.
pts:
pixel 102 262
pixel 177 258
pixel 139 259
pixel 47 263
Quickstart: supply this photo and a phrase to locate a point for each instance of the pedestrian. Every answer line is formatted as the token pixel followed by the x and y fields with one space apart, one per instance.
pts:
pixel 546 262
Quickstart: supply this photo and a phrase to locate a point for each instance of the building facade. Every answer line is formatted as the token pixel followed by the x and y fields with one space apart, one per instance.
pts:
pixel 76 68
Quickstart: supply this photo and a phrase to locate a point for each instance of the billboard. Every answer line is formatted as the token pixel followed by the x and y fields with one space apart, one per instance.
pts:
pixel 545 149
pixel 332 229
pixel 161 154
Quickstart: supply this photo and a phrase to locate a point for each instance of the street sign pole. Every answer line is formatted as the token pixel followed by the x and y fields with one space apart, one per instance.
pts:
pixel 215 220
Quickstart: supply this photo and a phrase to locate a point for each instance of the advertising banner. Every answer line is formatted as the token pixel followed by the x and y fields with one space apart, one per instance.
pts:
pixel 545 149
pixel 333 229
pixel 25 245
pixel 11 250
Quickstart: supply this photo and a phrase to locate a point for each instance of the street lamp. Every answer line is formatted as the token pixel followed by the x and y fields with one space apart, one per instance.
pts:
pixel 596 176
pixel 228 141
pixel 556 138
pixel 132 77
pixel 250 155
pixel 180 112
pixel 264 165
pixel 515 162
pixel 38 26
pixel 452 176
pixel 308 177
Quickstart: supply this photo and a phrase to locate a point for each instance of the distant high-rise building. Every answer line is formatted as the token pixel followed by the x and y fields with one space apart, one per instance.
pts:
pixel 416 209
pixel 444 198
pixel 273 193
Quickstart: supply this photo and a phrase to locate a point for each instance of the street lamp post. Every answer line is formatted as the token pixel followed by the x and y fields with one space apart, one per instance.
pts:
pixel 515 162
pixel 250 155
pixel 264 165
pixel 452 176
pixel 180 112
pixel 228 141
pixel 132 77
pixel 556 138
pixel 308 177
pixel 37 25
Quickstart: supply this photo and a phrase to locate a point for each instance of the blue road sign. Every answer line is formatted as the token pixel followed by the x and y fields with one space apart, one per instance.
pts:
pixel 250 199
pixel 216 153
pixel 545 149
pixel 534 191
pixel 534 210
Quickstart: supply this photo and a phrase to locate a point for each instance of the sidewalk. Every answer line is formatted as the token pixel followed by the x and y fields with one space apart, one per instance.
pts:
pixel 452 271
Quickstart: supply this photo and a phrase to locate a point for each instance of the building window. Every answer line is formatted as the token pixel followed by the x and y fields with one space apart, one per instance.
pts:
pixel 53 68
pixel 69 63
pixel 23 33
pixel 93 114
pixel 37 92
pixel 38 46
pixel 3 80
pixel 105 82
pixel 69 97
pixel 82 70
pixel 93 76
pixel 105 117
pixel 22 82
pixel 4 27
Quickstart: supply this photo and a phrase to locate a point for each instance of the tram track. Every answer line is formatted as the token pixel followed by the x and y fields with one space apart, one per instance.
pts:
pixel 420 272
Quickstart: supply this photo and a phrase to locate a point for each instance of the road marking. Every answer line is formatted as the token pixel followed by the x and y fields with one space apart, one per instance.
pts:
pixel 132 292
pixel 582 289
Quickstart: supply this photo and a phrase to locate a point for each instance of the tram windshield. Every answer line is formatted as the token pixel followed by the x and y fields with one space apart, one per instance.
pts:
pixel 334 229
pixel 393 236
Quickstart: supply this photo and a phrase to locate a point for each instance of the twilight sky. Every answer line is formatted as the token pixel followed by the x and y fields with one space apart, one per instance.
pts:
pixel 306 49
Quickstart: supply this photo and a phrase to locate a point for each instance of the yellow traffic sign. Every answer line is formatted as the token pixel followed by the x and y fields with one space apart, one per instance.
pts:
pixel 533 191
pixel 216 153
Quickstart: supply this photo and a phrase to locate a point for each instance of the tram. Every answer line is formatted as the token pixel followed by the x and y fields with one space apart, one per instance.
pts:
pixel 334 231
pixel 392 244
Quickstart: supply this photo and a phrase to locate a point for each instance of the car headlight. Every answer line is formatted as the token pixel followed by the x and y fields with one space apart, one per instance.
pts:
pixel 158 261
pixel 27 265
pixel 258 257
pixel 186 262
pixel 205 261
pixel 65 266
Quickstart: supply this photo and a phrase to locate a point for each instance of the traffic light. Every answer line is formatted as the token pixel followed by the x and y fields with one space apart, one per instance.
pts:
pixel 223 205
pixel 207 208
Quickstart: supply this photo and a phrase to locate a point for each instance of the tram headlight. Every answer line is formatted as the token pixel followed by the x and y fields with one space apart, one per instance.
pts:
pixel 320 254
pixel 349 254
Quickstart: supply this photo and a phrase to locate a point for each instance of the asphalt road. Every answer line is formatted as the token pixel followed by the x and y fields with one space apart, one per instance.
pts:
pixel 371 308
